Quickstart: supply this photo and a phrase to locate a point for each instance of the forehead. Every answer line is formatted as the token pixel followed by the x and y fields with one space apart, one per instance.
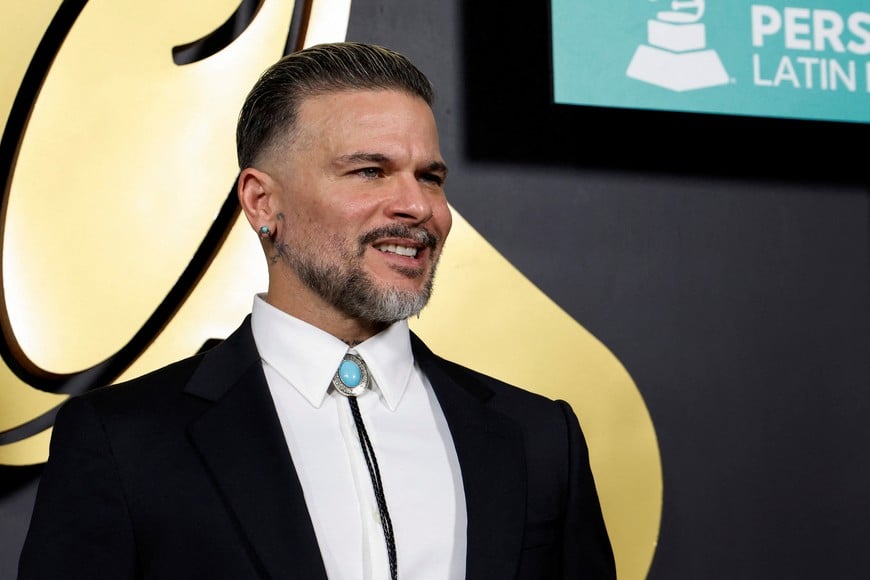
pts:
pixel 360 115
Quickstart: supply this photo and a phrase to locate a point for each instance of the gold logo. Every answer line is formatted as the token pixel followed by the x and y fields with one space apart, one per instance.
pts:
pixel 122 248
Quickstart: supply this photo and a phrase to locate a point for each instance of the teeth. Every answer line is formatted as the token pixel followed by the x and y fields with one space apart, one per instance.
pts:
pixel 401 250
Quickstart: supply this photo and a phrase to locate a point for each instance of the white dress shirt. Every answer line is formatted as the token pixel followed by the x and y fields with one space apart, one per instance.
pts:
pixel 414 450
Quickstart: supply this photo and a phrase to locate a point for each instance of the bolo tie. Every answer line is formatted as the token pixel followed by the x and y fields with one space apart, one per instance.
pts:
pixel 351 380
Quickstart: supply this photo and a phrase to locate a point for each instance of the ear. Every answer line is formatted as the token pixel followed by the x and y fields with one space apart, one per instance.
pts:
pixel 255 189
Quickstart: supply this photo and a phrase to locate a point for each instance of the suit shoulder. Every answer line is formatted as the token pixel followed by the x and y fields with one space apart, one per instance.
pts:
pixel 499 392
pixel 150 388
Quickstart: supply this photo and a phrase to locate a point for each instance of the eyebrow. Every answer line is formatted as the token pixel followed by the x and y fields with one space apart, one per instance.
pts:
pixel 362 157
pixel 437 167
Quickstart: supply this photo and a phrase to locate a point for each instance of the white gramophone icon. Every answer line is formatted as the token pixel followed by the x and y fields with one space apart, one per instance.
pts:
pixel 676 56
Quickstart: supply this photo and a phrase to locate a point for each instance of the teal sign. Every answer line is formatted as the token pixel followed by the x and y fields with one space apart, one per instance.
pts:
pixel 801 59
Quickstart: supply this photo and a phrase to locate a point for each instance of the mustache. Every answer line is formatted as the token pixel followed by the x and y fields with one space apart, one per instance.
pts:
pixel 419 235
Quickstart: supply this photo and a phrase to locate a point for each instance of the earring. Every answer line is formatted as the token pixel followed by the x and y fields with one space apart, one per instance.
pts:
pixel 265 232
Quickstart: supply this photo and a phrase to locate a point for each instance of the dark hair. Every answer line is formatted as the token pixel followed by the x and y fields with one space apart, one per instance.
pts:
pixel 270 109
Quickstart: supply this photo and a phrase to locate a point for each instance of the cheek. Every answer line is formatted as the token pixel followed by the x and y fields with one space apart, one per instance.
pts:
pixel 330 230
pixel 312 220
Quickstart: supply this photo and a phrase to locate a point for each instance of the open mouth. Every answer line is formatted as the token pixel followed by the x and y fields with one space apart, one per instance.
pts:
pixel 408 251
pixel 401 240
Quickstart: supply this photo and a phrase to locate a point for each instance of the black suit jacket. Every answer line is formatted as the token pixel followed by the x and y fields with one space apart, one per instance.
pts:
pixel 185 473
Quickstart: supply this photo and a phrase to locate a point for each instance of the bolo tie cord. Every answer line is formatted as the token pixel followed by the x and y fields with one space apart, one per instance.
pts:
pixel 375 474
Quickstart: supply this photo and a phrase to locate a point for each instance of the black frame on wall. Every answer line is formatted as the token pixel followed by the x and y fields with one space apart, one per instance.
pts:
pixel 512 117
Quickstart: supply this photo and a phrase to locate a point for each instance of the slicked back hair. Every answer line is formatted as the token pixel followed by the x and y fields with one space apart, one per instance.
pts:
pixel 270 110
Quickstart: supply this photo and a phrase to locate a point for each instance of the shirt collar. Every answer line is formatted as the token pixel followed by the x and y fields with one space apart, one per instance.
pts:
pixel 307 357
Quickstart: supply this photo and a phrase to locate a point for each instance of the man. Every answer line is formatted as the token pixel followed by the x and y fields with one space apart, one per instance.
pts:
pixel 322 438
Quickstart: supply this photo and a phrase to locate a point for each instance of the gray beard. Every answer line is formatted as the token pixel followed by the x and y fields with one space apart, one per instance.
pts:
pixel 353 291
pixel 357 295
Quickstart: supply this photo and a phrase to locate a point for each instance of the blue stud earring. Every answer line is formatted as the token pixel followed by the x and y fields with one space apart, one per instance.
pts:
pixel 265 232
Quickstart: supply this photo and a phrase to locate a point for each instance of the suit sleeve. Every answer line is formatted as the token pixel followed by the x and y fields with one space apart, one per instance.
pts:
pixel 80 526
pixel 587 552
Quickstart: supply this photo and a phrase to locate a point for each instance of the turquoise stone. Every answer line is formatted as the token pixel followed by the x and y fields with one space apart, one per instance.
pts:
pixel 349 373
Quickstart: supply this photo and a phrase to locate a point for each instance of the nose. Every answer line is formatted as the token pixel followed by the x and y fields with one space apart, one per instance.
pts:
pixel 411 201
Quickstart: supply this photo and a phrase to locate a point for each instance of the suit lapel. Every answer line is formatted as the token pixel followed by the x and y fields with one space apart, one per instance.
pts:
pixel 243 447
pixel 491 455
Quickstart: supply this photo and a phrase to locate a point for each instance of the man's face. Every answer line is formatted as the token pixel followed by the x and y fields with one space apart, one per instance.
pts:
pixel 363 215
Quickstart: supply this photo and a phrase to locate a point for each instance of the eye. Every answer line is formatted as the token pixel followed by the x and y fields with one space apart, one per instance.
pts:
pixel 370 172
pixel 433 178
